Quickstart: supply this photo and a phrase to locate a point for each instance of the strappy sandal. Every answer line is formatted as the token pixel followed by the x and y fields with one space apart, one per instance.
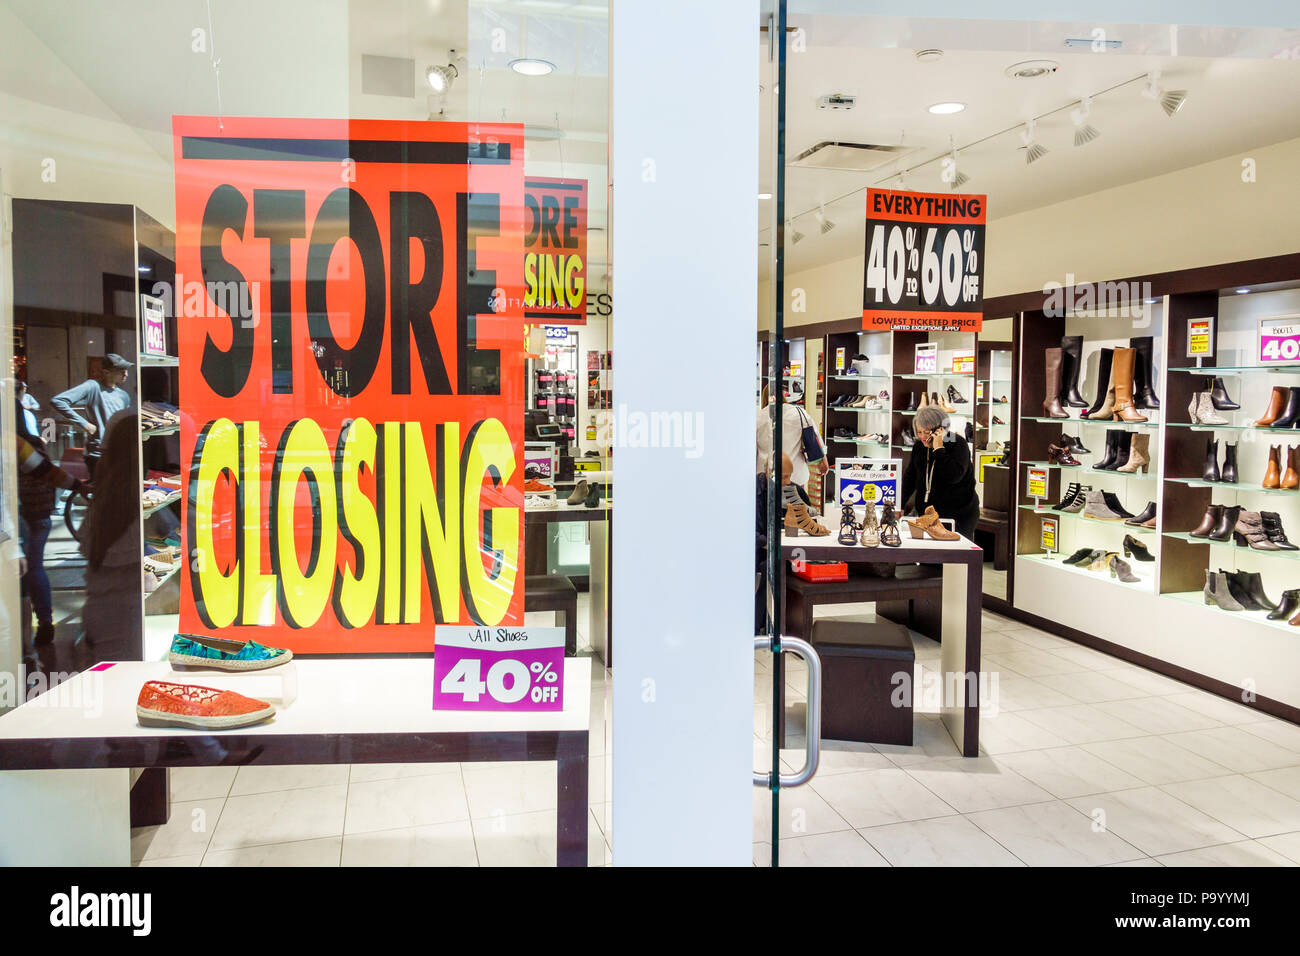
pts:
pixel 930 524
pixel 889 536
pixel 798 519
pixel 870 529
pixel 848 526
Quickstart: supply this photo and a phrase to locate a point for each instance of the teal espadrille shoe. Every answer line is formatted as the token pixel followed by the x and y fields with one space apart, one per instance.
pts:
pixel 198 650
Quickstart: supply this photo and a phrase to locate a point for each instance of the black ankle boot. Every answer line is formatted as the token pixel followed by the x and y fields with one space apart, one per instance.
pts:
pixel 1076 444
pixel 1289 604
pixel 1228 474
pixel 1255 588
pixel 1112 502
pixel 1219 397
pixel 911 402
pixel 1145 515
pixel 1071 493
pixel 1108 460
pixel 1123 445
pixel 1135 548
pixel 1227 524
pixel 1211 470
pixel 1239 588
pixel 1272 522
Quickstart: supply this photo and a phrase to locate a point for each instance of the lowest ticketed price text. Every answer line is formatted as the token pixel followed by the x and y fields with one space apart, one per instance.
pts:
pixel 924 261
pixel 351 379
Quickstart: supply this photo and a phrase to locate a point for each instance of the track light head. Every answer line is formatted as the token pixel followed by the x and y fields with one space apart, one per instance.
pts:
pixel 1172 101
pixel 795 235
pixel 961 179
pixel 1035 152
pixel 1085 134
pixel 441 77
pixel 824 224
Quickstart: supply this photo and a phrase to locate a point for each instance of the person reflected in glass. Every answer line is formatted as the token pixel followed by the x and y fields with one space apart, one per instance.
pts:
pixel 112 618
pixel 940 473
pixel 100 398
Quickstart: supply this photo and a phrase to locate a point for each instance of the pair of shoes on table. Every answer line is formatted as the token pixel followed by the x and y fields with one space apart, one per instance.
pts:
pixel 166 704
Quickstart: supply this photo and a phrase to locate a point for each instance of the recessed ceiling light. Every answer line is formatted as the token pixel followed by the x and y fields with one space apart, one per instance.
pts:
pixel 1032 69
pixel 1242 291
pixel 944 108
pixel 929 56
pixel 532 66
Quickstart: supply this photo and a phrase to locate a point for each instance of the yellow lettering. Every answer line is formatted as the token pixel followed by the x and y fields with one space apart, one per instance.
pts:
pixel 304 453
pixel 432 523
pixel 217 595
pixel 492 562
pixel 356 586
pixel 258 604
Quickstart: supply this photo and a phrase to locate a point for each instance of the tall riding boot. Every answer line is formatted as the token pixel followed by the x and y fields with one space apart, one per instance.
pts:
pixel 1211 470
pixel 1052 398
pixel 1104 383
pixel 1107 461
pixel 1071 365
pixel 1144 391
pixel 1291 413
pixel 1291 477
pixel 1273 471
pixel 1220 397
pixel 1122 367
pixel 1138 456
pixel 1276 403
pixel 1228 473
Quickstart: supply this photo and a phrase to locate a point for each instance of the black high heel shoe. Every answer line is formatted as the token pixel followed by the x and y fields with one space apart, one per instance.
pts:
pixel 849 526
pixel 1136 549
pixel 889 536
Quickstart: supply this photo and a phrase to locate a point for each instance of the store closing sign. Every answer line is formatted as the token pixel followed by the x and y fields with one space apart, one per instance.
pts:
pixel 924 261
pixel 555 260
pixel 351 378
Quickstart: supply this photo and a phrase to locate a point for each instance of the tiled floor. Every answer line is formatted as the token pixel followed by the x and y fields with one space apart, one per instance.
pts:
pixel 1086 761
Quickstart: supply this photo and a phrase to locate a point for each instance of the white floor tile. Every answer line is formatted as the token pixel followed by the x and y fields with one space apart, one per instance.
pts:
pixel 1147 681
pixel 1070 772
pixel 1288 844
pixel 930 739
pixel 322 852
pixel 1157 715
pixel 528 839
pixel 871 798
pixel 1034 638
pixel 439 844
pixel 1010 733
pixel 1081 723
pixel 1053 834
pixel 1246 805
pixel 1092 687
pixel 1223 710
pixel 1033 663
pixel 366 772
pixel 803 811
pixel 841 756
pixel 952 841
pixel 200 783
pixel 1086 657
pixel 1278 731
pixel 969 785
pixel 1245 853
pixel 513 788
pixel 1154 821
pixel 1014 693
pixel 843 848
pixel 259 779
pixel 194 859
pixel 1236 749
pixel 1144 862
pixel 187 832
pixel 282 816
pixel 1285 780
pixel 412 802
pixel 1156 760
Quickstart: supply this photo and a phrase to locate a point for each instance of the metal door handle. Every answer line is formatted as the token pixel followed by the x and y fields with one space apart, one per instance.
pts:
pixel 814 717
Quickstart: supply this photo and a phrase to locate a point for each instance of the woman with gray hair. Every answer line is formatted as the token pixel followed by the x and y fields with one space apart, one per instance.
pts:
pixel 939 474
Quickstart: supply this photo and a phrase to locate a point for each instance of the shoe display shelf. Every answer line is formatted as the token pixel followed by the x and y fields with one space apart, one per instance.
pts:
pixel 878 348
pixel 906 380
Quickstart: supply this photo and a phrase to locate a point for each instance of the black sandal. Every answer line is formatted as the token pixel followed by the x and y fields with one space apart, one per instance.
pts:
pixel 849 526
pixel 889 536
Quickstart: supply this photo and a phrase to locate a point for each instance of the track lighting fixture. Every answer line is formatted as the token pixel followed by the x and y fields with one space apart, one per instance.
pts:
pixel 1033 151
pixel 959 178
pixel 441 77
pixel 1171 101
pixel 823 223
pixel 795 235
pixel 1084 132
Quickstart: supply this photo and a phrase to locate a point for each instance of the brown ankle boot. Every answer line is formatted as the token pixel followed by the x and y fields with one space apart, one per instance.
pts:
pixel 1291 478
pixel 1276 403
pixel 1273 472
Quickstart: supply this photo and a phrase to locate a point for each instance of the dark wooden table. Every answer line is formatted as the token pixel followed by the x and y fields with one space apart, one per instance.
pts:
pixel 600 521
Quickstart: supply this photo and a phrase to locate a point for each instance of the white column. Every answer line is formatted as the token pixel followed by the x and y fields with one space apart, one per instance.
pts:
pixel 684 161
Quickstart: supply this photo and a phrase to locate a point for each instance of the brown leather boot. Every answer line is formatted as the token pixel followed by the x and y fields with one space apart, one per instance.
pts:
pixel 1213 514
pixel 1138 455
pixel 1291 477
pixel 1122 364
pixel 1273 472
pixel 1052 399
pixel 1276 402
pixel 1107 407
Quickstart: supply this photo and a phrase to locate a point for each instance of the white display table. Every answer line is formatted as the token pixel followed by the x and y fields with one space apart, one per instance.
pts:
pixel 67 755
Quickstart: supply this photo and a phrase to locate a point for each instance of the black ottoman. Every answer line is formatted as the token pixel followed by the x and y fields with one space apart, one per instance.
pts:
pixel 859 662
pixel 555 592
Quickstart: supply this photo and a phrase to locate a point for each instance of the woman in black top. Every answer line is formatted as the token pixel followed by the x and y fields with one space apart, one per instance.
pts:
pixel 940 473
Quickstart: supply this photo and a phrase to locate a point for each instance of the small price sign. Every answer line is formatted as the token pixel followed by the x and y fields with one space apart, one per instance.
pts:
pixel 1037 483
pixel 1279 339
pixel 498 668
pixel 927 358
pixel 839 360
pixel 867 481
pixel 1048 535
pixel 1200 337
pixel 963 361
pixel 924 262
pixel 154 312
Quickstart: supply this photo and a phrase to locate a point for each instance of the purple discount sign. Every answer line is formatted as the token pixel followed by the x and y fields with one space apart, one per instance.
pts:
pixel 498 668
pixel 1279 339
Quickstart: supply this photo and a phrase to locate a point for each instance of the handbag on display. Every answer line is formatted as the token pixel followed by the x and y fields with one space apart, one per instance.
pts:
pixel 813 450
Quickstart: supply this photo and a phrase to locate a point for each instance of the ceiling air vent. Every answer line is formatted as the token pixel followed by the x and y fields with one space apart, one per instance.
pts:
pixel 836 101
pixel 860 157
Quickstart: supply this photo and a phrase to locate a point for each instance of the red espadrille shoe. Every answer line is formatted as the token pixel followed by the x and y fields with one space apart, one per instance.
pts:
pixel 203 708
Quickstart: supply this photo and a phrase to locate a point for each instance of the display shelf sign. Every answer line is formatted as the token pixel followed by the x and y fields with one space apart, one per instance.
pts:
pixel 988 458
pixel 498 668
pixel 963 362
pixel 868 481
pixel 1037 483
pixel 555 255
pixel 540 460
pixel 924 262
pixel 839 359
pixel 1200 337
pixel 1047 535
pixel 350 332
pixel 927 358
pixel 1279 339
pixel 153 312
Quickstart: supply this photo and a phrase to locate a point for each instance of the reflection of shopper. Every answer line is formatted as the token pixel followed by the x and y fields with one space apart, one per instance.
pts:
pixel 38 481
pixel 101 398
pixel 940 473
pixel 112 618
pixel 799 440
